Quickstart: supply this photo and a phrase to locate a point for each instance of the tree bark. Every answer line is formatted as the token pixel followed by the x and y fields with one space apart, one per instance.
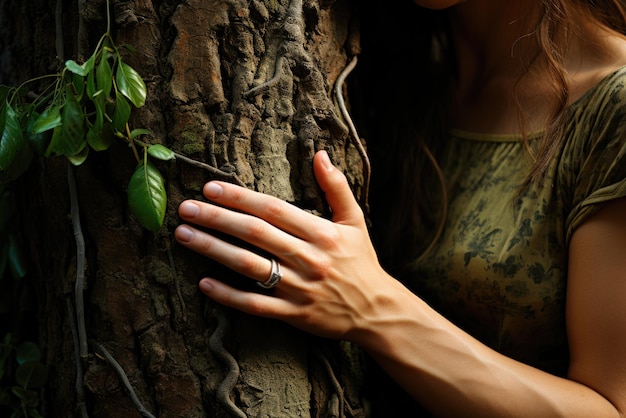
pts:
pixel 245 87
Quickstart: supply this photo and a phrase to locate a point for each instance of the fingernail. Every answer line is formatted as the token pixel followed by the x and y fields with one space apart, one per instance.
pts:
pixel 212 190
pixel 326 161
pixel 189 210
pixel 206 286
pixel 184 233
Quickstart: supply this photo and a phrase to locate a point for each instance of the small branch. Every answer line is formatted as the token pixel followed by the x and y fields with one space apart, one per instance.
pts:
pixel 80 263
pixel 122 375
pixel 213 170
pixel 216 344
pixel 80 387
pixel 216 171
pixel 354 135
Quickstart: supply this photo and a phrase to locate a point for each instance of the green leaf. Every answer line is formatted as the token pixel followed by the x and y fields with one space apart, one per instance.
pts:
pixel 17 260
pixel 15 150
pixel 78 81
pixel 140 131
pixel 38 140
pixel 4 94
pixel 147 197
pixel 57 138
pixel 99 135
pixel 27 352
pixel 81 70
pixel 104 77
pixel 73 128
pixel 130 83
pixel 49 119
pixel 91 85
pixel 74 67
pixel 121 114
pixel 161 152
pixel 80 157
pixel 104 139
pixel 89 66
pixel 12 138
pixel 97 141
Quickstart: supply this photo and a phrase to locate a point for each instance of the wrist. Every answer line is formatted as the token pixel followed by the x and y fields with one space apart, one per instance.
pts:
pixel 394 311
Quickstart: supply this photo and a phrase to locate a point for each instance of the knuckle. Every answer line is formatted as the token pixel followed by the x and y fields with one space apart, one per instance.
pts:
pixel 247 263
pixel 255 229
pixel 317 264
pixel 256 307
pixel 328 238
pixel 306 318
pixel 300 316
pixel 238 194
pixel 211 213
pixel 275 209
pixel 205 245
pixel 321 268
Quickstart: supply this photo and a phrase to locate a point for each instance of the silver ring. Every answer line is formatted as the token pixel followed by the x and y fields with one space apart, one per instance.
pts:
pixel 275 276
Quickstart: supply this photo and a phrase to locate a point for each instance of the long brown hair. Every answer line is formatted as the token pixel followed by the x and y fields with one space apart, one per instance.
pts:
pixel 411 109
pixel 558 21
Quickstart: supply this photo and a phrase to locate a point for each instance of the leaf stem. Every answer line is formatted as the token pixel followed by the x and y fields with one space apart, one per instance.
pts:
pixel 131 143
pixel 213 170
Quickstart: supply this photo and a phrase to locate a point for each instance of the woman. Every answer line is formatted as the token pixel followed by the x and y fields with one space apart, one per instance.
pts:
pixel 522 282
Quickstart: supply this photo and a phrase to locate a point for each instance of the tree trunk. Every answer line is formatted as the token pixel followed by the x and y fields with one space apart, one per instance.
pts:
pixel 246 87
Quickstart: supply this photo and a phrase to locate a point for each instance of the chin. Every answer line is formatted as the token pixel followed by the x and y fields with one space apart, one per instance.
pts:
pixel 437 4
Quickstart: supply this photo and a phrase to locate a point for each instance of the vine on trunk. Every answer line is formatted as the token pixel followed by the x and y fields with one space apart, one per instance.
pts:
pixel 81 109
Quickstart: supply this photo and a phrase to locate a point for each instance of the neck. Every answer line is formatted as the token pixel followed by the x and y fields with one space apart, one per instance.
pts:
pixel 493 39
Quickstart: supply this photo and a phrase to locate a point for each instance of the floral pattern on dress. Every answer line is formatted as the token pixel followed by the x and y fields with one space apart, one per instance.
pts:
pixel 499 270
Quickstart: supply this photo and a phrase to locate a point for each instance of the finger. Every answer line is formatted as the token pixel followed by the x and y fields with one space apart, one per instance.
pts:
pixel 338 194
pixel 238 259
pixel 275 211
pixel 248 228
pixel 252 303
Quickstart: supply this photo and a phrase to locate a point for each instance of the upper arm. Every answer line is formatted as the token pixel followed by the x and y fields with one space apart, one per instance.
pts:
pixel 596 303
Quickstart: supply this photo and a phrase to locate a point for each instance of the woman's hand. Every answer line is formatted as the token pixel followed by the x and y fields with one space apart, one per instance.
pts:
pixel 332 282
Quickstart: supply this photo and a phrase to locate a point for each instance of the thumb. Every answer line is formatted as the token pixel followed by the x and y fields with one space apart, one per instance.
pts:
pixel 338 194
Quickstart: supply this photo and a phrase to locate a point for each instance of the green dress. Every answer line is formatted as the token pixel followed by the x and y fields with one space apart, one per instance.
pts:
pixel 499 271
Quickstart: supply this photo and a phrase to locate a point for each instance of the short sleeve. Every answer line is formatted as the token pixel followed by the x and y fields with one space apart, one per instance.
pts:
pixel 595 150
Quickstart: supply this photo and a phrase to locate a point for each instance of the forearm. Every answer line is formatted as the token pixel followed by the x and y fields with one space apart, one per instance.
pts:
pixel 452 374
